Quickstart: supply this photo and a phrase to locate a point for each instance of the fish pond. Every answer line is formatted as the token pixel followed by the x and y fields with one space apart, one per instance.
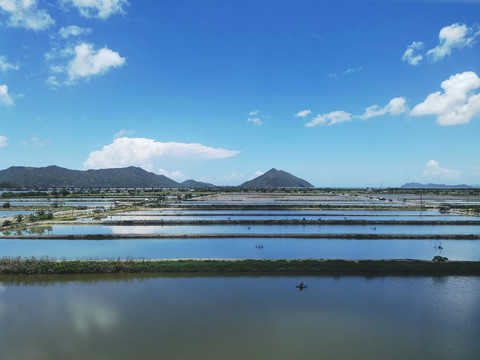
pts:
pixel 238 317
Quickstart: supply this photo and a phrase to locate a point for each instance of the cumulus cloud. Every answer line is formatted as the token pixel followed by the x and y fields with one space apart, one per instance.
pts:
pixel 84 62
pixel 73 30
pixel 411 55
pixel 6 66
pixel 102 9
pixel 451 37
pixel 258 173
pixel 5 98
pixel 303 113
pixel 434 170
pixel 396 106
pixel 88 62
pixel 457 104
pixel 332 118
pixel 253 113
pixel 141 152
pixel 175 175
pixel 25 13
pixel 255 121
pixel 3 141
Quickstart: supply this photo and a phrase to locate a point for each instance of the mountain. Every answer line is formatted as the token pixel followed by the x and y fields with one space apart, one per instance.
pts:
pixel 55 176
pixel 277 179
pixel 414 185
pixel 195 184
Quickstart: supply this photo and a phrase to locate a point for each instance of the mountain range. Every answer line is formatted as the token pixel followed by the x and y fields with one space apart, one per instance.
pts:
pixel 129 177
pixel 55 176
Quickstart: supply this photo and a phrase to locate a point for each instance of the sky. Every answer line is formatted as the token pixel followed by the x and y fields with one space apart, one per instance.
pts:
pixel 342 93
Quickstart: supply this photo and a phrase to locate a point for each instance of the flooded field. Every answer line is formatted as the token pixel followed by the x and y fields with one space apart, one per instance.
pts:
pixel 238 317
pixel 242 248
pixel 249 243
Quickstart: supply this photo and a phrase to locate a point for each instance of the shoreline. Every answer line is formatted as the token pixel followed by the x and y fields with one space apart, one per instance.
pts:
pixel 353 236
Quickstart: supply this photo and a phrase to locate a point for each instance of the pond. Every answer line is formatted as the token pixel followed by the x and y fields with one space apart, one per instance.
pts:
pixel 238 317
pixel 242 248
pixel 294 217
pixel 264 229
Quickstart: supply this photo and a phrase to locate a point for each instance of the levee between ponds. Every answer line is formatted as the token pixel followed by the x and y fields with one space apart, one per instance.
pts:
pixel 249 236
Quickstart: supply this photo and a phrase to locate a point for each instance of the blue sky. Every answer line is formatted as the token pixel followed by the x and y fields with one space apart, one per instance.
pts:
pixel 340 93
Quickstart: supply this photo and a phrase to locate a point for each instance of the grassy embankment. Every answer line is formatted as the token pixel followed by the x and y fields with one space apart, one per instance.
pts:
pixel 336 267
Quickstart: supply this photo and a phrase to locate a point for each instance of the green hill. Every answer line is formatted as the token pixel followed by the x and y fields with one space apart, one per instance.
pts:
pixel 277 179
pixel 55 176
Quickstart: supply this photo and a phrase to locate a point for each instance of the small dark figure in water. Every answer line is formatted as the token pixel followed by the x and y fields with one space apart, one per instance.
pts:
pixel 302 285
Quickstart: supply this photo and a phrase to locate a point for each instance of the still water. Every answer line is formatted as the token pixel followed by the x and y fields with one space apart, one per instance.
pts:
pixel 235 248
pixel 264 229
pixel 238 317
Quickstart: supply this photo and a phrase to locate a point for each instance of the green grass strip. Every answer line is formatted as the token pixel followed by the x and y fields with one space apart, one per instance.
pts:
pixel 308 266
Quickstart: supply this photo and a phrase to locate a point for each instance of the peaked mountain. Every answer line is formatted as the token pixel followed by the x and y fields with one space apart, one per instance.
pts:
pixel 195 184
pixel 277 179
pixel 55 176
pixel 414 185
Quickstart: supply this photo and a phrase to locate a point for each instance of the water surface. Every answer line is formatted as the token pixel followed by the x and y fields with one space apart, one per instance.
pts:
pixel 237 248
pixel 239 317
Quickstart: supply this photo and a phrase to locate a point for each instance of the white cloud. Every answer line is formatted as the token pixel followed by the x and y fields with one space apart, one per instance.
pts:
pixel 457 104
pixel 411 56
pixel 346 72
pixel 141 152
pixel 258 173
pixel 396 106
pixel 123 132
pixel 434 170
pixel 175 175
pixel 88 62
pixel 253 113
pixel 303 113
pixel 332 118
pixel 98 8
pixel 73 30
pixel 451 37
pixel 5 98
pixel 3 141
pixel 24 13
pixel 6 66
pixel 85 62
pixel 255 121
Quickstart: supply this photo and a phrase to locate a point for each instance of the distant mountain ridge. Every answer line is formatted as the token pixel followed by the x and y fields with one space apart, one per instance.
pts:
pixel 196 184
pixel 277 179
pixel 55 176
pixel 414 185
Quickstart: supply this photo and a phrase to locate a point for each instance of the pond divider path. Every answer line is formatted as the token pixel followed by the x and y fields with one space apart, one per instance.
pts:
pixel 246 236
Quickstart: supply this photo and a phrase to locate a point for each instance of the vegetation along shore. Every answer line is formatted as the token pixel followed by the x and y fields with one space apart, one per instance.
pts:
pixel 305 266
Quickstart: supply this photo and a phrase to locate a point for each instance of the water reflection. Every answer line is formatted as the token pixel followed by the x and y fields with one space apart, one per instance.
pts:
pixel 240 317
pixel 235 248
pixel 265 229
